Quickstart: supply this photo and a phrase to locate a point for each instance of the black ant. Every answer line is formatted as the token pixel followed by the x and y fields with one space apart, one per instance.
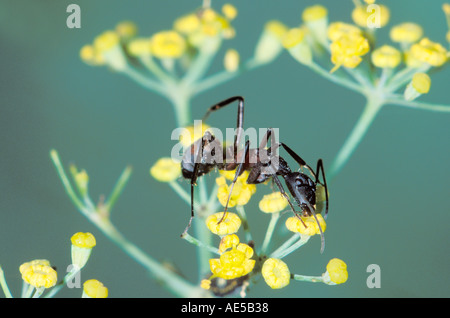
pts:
pixel 207 153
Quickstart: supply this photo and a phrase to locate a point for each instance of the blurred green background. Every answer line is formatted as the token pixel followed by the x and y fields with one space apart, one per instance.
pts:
pixel 389 206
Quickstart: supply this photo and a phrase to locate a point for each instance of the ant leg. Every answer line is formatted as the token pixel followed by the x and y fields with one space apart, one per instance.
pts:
pixel 322 170
pixel 283 193
pixel 297 158
pixel 240 116
pixel 197 159
pixel 236 175
pixel 193 181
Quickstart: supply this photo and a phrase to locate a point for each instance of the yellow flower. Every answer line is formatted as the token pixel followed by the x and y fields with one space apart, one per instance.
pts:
pixel 272 203
pixel 299 49
pixel 228 242
pixel 38 273
pixel 293 37
pixel 126 29
pixel 139 46
pixel 229 11
pixel 213 24
pixel 187 24
pixel 293 224
pixel 406 33
pixel 338 29
pixel 168 44
pixel 193 133
pixel 82 244
pixel 314 13
pixel 276 273
pixel 420 84
pixel 84 240
pixel 378 16
pixel 107 45
pixel 166 170
pixel 205 284
pixel 90 56
pixel 106 41
pixel 233 263
pixel 229 225
pixel 336 272
pixel 81 179
pixel 231 60
pixel 347 51
pixel 316 20
pixel 269 44
pixel 429 52
pixel 94 289
pixel 386 57
pixel 242 191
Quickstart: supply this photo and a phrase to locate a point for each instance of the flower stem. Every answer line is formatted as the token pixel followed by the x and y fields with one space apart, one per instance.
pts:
pixel 311 279
pixel 4 284
pixel 123 179
pixel 273 222
pixel 374 104
pixel 287 249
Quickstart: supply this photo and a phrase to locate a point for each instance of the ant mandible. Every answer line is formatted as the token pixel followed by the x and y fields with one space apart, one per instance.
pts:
pixel 207 153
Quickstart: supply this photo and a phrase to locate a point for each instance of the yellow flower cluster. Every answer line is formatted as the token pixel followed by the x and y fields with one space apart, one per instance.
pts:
pixel 242 191
pixel 348 49
pixel 235 259
pixel 38 273
pixel 189 31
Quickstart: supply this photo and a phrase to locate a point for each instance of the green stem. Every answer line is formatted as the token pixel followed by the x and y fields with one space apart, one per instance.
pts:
pixel 4 285
pixel 180 99
pixel 374 104
pixel 280 253
pixel 67 185
pixel 273 222
pixel 311 279
pixel 241 211
pixel 170 280
pixel 400 101
pixel 336 79
pixel 74 271
pixel 222 77
pixel 199 243
pixel 116 192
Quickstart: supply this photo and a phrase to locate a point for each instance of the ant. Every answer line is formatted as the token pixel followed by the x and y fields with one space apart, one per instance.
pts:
pixel 207 153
